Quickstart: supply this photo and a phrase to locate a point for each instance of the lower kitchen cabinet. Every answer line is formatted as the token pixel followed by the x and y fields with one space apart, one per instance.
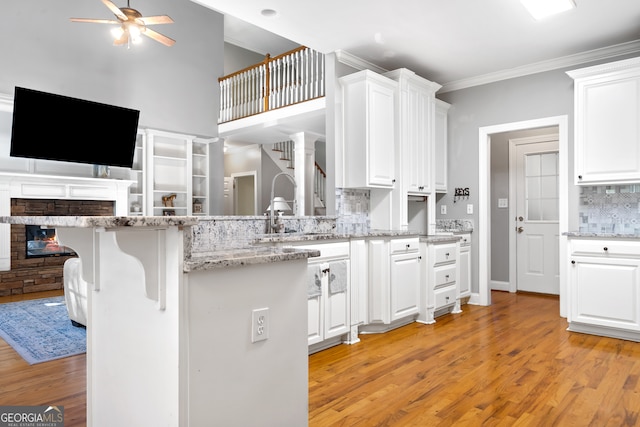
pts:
pixel 328 300
pixel 394 283
pixel 604 288
pixel 464 280
pixel 441 277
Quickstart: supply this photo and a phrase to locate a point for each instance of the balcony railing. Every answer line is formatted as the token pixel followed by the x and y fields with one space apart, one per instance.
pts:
pixel 287 79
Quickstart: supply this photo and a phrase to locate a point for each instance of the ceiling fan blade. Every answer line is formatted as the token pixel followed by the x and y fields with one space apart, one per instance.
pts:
pixel 159 37
pixel 95 21
pixel 115 9
pixel 154 20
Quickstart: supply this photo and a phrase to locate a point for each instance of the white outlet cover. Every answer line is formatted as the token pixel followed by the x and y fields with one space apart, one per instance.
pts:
pixel 259 324
pixel 443 209
pixel 470 209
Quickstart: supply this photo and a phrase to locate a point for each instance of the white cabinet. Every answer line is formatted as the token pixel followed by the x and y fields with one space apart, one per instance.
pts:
pixel 369 130
pixel 176 174
pixel 415 114
pixel 394 282
pixel 464 280
pixel 441 145
pixel 604 288
pixel 607 123
pixel 329 303
pixel 441 275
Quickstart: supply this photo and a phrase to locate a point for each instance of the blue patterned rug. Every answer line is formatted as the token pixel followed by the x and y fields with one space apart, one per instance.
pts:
pixel 40 330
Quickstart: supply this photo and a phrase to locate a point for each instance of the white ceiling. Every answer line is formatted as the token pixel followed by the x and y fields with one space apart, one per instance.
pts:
pixel 457 43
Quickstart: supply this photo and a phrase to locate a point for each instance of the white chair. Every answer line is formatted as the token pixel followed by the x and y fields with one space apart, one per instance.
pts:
pixel 75 292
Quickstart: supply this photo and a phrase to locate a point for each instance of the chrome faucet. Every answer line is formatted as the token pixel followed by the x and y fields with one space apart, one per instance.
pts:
pixel 274 224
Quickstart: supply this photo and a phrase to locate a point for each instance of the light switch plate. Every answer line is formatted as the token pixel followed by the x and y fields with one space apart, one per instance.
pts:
pixel 443 209
pixel 503 203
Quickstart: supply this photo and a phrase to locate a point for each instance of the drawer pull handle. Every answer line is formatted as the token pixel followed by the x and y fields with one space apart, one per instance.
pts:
pixel 326 270
pixel 447 298
pixel 447 254
pixel 446 277
pixel 606 249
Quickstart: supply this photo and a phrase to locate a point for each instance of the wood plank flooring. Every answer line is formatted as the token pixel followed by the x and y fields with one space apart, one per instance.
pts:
pixel 511 364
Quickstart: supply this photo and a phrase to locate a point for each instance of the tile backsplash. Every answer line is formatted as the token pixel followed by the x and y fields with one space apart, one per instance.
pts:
pixel 352 210
pixel 610 209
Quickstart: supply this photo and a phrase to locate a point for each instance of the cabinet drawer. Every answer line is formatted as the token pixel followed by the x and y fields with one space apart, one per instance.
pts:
pixel 445 275
pixel 465 239
pixel 404 245
pixel 605 248
pixel 445 296
pixel 445 253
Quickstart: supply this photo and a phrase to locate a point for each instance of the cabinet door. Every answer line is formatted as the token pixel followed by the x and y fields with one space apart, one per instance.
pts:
pixel 369 130
pixel 441 146
pixel 607 128
pixel 464 280
pixel 605 292
pixel 405 285
pixel 315 315
pixel 418 146
pixel 336 321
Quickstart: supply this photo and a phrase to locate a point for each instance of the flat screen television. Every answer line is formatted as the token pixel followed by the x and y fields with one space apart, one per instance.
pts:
pixel 55 127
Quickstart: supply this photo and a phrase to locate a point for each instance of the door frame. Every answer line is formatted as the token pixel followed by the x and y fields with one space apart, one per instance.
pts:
pixel 484 206
pixel 513 143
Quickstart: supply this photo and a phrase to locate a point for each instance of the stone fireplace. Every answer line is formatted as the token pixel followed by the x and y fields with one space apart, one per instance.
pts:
pixel 43 273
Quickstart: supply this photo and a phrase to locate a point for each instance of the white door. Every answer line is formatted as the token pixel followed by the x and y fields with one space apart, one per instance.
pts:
pixel 537 214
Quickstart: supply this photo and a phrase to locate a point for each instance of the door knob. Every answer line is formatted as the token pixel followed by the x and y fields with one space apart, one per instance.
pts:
pixel 520 229
pixel 520 218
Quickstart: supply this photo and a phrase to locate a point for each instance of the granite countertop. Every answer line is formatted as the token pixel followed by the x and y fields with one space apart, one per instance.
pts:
pixel 440 238
pixel 600 235
pixel 246 256
pixel 304 237
pixel 101 221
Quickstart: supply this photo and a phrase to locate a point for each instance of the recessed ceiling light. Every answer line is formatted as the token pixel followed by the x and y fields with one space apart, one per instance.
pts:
pixel 540 9
pixel 268 13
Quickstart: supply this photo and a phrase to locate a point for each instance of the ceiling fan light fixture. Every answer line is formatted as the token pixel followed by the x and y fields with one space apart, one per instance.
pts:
pixel 117 32
pixel 541 9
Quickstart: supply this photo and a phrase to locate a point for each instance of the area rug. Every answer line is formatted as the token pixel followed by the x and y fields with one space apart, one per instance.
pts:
pixel 40 330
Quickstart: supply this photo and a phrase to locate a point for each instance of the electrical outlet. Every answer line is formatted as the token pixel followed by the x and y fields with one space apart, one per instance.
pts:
pixel 260 324
pixel 443 209
pixel 470 209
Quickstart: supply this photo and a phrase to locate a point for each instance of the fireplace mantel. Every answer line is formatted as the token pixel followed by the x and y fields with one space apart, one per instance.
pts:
pixel 34 186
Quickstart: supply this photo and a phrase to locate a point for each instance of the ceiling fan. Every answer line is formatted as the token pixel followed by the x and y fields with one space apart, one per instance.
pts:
pixel 131 25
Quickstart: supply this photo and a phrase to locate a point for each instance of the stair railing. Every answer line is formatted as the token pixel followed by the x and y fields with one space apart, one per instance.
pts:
pixel 292 77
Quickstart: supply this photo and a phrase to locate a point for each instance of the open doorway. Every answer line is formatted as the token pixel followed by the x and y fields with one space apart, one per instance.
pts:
pixel 245 193
pixel 485 204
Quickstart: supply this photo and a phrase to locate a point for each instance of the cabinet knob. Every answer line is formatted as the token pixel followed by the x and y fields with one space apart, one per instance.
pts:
pixel 606 249
pixel 447 254
pixel 393 181
pixel 446 277
pixel 326 270
pixel 573 262
pixel 419 258
pixel 579 176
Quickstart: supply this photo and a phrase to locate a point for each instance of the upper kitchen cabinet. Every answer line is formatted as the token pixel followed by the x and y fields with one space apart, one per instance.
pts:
pixel 440 142
pixel 415 115
pixel 369 130
pixel 607 123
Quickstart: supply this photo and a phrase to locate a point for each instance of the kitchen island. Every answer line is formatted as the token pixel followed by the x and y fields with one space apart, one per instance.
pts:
pixel 173 338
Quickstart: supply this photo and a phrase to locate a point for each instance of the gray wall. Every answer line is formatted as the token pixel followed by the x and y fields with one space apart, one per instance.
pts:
pixel 175 88
pixel 526 98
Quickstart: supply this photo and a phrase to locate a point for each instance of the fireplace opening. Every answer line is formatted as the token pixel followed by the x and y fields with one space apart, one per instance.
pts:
pixel 42 242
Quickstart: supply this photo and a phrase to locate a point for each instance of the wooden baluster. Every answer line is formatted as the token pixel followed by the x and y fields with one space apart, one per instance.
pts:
pixel 321 77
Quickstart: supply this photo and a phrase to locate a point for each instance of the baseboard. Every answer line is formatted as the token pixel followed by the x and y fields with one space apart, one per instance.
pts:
pixel 496 285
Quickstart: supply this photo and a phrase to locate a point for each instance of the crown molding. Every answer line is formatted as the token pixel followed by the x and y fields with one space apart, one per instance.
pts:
pixel 539 67
pixel 353 61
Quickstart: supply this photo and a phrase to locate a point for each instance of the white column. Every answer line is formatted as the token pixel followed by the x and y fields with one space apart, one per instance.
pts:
pixel 305 159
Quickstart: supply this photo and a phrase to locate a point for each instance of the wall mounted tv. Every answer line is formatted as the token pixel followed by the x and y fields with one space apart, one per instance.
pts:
pixel 55 127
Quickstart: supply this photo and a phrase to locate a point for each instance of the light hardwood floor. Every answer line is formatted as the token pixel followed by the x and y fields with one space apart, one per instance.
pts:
pixel 509 364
